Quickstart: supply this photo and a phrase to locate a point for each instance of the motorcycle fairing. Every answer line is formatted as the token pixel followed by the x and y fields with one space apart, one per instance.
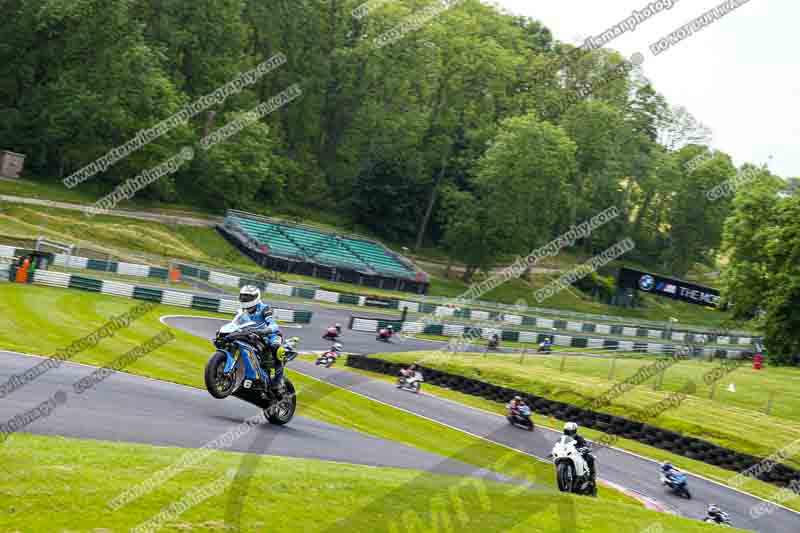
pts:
pixel 252 369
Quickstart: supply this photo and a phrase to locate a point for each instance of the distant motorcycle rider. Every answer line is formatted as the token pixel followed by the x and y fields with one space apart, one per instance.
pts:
pixel 494 341
pixel 667 470
pixel 571 430
pixel 267 330
pixel 515 404
pixel 412 372
pixel 388 331
pixel 717 514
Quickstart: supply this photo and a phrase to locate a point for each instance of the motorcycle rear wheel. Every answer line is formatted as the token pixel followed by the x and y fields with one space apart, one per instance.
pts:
pixel 282 411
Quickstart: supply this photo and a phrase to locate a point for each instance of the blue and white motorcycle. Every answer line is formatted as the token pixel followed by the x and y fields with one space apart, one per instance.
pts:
pixel 235 370
pixel 677 482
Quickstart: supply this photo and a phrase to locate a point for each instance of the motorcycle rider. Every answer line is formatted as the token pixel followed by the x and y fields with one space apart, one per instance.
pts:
pixel 546 345
pixel 412 372
pixel 667 471
pixel 267 331
pixel 717 514
pixel 571 430
pixel 386 332
pixel 515 405
pixel 494 341
pixel 334 352
pixel 332 332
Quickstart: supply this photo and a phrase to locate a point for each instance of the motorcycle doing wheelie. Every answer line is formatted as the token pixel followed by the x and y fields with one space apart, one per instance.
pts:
pixel 235 369
pixel 572 471
pixel 677 483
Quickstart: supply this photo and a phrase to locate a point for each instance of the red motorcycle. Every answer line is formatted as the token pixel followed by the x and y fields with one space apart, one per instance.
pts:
pixel 333 333
pixel 329 358
pixel 385 334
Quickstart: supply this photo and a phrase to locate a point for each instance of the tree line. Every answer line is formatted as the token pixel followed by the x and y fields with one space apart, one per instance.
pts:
pixel 478 133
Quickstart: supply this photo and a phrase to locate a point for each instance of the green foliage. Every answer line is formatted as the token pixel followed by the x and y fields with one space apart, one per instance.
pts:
pixel 523 179
pixel 478 132
pixel 762 238
pixel 600 287
pixel 470 237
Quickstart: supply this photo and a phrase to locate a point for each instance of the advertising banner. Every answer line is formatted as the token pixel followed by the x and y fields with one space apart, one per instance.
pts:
pixel 676 289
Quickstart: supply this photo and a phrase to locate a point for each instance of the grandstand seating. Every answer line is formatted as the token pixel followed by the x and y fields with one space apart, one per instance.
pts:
pixel 314 246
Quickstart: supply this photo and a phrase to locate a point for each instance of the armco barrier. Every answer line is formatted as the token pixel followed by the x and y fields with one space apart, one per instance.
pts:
pixel 664 439
pixel 474 333
pixel 163 296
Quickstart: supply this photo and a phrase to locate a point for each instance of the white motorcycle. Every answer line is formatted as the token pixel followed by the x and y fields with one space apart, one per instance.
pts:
pixel 724 520
pixel 572 471
pixel 410 382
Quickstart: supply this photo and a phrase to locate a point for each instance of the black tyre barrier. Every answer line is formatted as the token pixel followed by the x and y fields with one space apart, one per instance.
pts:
pixel 686 446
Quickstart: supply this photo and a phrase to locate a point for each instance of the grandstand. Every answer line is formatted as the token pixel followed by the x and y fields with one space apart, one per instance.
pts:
pixel 309 251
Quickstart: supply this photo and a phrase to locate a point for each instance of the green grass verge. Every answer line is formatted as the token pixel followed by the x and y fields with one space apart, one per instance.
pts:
pixel 720 475
pixel 40 320
pixel 732 419
pixel 60 484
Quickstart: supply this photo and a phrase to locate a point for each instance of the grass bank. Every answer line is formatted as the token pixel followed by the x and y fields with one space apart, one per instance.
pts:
pixel 731 419
pixel 41 320
pixel 59 484
pixel 720 475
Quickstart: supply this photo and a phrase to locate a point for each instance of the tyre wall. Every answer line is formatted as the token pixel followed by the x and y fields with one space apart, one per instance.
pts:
pixel 671 441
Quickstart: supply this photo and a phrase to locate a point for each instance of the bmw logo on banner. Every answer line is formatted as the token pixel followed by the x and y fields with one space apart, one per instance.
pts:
pixel 646 282
pixel 657 285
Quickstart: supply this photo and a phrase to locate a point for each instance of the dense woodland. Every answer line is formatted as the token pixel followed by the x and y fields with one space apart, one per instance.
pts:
pixel 480 133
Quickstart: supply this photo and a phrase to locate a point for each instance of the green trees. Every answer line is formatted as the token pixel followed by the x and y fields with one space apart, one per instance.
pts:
pixel 477 132
pixel 762 278
pixel 524 181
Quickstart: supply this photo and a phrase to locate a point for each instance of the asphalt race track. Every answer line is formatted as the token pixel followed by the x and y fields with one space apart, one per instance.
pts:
pixel 632 472
pixel 130 408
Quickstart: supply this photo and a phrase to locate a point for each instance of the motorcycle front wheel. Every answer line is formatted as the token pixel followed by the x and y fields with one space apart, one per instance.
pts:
pixel 565 476
pixel 218 383
pixel 282 410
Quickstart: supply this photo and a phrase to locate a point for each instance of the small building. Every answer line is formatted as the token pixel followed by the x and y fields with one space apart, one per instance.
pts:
pixel 11 164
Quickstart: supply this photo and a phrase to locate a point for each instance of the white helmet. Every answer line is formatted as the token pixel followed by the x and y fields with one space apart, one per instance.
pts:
pixel 570 429
pixel 338 347
pixel 249 296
